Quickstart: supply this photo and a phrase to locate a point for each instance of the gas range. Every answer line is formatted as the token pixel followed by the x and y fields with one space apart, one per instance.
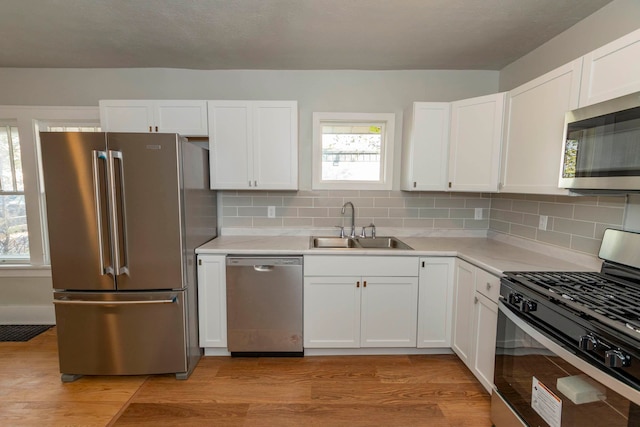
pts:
pixel 595 314
pixel 596 297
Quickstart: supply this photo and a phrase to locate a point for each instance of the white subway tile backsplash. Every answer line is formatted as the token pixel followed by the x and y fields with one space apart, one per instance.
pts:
pixel 576 222
pixel 600 214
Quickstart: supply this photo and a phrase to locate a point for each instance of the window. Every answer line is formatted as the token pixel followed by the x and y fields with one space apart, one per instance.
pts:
pixel 23 232
pixel 14 236
pixel 352 150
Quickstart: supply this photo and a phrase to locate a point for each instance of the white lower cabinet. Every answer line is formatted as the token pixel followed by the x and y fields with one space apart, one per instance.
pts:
pixel 475 320
pixel 435 302
pixel 212 300
pixel 359 301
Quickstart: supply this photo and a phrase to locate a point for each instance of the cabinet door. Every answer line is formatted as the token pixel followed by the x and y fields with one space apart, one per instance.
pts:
pixel 435 302
pixel 230 151
pixel 275 145
pixel 332 312
pixel 424 156
pixel 212 300
pixel 126 116
pixel 187 118
pixel 476 138
pixel 534 135
pixel 612 70
pixel 463 294
pixel 389 311
pixel 484 331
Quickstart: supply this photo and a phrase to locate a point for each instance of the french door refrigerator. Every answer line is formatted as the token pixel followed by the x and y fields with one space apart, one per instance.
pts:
pixel 125 212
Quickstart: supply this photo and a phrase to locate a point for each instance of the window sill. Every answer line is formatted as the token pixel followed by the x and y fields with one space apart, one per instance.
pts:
pixel 25 270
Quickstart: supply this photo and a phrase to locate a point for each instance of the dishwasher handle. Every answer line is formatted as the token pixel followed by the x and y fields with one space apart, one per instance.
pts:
pixel 264 263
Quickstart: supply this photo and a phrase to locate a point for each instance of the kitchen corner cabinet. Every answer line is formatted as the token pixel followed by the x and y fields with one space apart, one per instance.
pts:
pixel 353 302
pixel 435 302
pixel 426 147
pixel 475 142
pixel 188 118
pixel 475 320
pixel 212 300
pixel 534 132
pixel 253 145
pixel 612 70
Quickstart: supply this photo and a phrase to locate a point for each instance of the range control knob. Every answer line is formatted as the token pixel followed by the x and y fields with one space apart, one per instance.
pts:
pixel 528 306
pixel 515 299
pixel 616 359
pixel 588 342
pixel 524 305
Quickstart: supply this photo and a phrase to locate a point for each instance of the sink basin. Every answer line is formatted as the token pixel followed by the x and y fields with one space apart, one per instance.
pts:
pixel 358 243
pixel 382 243
pixel 332 242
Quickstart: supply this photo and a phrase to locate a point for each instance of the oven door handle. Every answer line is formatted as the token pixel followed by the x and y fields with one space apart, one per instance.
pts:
pixel 595 373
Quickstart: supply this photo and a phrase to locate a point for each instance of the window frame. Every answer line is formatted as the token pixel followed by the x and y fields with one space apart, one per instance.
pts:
pixel 27 119
pixel 386 151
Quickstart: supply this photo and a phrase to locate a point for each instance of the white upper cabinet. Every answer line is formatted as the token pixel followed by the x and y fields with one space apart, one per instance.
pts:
pixel 475 142
pixel 253 145
pixel 534 132
pixel 612 70
pixel 426 147
pixel 188 118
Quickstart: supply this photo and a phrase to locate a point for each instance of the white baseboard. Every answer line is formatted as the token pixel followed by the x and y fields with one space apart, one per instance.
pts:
pixel 27 315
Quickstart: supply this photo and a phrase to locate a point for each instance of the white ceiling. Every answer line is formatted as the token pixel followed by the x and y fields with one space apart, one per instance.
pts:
pixel 281 34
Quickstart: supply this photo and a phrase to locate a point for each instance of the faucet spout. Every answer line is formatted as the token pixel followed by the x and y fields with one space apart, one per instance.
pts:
pixel 353 218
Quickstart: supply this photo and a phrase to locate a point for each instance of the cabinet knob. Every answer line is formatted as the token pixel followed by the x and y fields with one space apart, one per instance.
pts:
pixel 415 184
pixel 150 129
pixel 357 284
pixel 364 284
pixel 488 285
pixel 156 128
pixel 449 185
pixel 475 300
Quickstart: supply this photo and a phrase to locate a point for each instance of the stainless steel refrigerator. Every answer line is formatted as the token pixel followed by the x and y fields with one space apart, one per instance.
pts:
pixel 125 212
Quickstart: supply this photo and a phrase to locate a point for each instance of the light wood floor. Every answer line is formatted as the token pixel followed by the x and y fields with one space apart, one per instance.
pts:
pixel 222 391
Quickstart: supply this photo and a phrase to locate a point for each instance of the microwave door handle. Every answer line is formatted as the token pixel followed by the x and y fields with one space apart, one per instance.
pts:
pixel 98 156
pixel 118 225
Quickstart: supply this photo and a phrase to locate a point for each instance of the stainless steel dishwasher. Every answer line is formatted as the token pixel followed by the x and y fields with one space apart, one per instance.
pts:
pixel 264 306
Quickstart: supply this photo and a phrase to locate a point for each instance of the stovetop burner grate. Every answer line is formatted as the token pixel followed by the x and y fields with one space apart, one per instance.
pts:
pixel 608 297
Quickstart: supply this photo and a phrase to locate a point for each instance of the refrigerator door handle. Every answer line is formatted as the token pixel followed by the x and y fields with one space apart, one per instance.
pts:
pixel 118 222
pixel 96 157
pixel 84 302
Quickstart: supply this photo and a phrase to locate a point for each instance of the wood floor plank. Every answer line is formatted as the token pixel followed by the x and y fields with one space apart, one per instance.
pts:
pixel 57 414
pixel 345 415
pixel 183 414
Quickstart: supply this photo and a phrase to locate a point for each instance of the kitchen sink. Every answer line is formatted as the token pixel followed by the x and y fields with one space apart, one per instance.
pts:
pixel 332 242
pixel 358 243
pixel 382 243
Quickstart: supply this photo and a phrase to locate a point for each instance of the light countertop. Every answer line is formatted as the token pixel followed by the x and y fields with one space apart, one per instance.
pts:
pixel 487 253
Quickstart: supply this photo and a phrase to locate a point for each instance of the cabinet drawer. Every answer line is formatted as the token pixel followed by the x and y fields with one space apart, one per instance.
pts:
pixel 360 266
pixel 488 285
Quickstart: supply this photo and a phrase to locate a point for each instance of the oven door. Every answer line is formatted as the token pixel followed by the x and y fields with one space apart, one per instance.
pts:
pixel 544 383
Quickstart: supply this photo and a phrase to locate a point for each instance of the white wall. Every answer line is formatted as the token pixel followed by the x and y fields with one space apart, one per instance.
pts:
pixel 613 21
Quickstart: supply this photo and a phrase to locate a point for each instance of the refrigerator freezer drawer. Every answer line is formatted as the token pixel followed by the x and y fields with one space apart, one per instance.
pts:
pixel 110 333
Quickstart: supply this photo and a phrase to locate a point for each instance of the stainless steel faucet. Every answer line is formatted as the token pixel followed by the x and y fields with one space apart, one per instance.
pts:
pixel 353 218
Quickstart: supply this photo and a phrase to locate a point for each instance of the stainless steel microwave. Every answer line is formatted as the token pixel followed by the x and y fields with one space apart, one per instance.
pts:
pixel 601 149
